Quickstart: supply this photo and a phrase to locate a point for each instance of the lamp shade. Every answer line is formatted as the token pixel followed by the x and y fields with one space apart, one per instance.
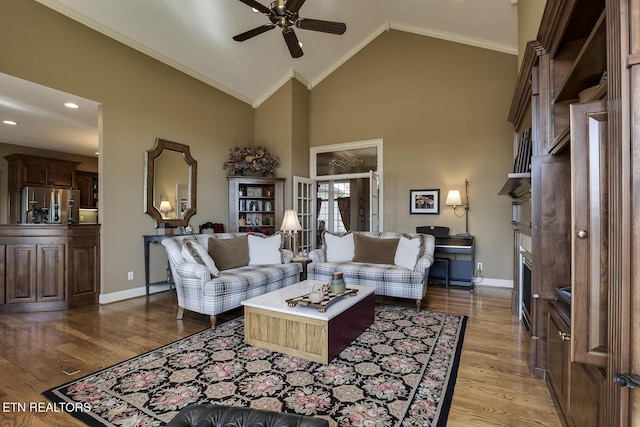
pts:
pixel 454 198
pixel 290 221
pixel 165 206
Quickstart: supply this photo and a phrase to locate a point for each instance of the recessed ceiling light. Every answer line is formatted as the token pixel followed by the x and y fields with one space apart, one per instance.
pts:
pixel 71 105
pixel 10 122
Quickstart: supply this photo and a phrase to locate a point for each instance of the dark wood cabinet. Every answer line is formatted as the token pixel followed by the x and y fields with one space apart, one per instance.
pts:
pixel 559 350
pixel 35 272
pixel 25 170
pixel 578 388
pixel 561 91
pixel 50 267
pixel 42 171
pixel 87 184
pixel 256 204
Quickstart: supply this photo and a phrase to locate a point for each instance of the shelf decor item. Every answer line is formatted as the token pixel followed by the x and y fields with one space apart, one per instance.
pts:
pixel 251 161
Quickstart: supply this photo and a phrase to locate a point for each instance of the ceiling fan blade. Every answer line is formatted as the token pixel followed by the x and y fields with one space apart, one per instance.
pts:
pixel 294 6
pixel 292 42
pixel 324 26
pixel 252 33
pixel 257 6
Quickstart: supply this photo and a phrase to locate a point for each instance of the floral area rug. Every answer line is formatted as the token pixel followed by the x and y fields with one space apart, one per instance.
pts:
pixel 401 371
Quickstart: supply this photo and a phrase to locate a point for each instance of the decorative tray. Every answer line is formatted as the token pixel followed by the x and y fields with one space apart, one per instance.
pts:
pixel 322 305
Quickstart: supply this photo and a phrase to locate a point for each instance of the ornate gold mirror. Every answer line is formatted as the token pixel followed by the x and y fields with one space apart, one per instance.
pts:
pixel 170 183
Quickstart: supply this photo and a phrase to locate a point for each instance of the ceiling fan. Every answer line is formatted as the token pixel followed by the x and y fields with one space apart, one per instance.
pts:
pixel 284 14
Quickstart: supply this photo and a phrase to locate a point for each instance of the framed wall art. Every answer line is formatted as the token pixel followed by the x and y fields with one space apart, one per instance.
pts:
pixel 424 201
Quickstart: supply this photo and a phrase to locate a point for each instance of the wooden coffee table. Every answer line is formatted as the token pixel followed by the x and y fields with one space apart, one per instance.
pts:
pixel 304 331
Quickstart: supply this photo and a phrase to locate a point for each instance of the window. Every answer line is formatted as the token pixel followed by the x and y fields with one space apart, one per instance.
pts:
pixel 329 211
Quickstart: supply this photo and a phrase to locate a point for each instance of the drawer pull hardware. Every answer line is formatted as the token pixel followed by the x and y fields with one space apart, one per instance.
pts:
pixel 582 234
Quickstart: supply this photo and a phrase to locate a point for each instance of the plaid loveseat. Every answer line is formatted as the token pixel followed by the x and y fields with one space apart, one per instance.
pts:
pixel 198 291
pixel 388 279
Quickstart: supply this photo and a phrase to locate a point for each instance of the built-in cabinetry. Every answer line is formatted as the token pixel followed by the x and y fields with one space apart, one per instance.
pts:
pixel 256 204
pixel 562 80
pixel 48 267
pixel 25 171
pixel 87 184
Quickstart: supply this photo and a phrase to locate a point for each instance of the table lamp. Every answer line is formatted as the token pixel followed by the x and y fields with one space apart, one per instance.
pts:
pixel 290 226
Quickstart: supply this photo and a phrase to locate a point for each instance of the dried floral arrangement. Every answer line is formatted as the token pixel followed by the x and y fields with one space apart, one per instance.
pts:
pixel 251 160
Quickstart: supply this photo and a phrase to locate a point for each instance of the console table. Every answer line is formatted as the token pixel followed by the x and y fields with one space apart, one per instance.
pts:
pixel 153 238
pixel 454 260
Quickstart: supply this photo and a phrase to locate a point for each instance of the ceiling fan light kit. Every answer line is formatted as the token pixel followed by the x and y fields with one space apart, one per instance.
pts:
pixel 284 14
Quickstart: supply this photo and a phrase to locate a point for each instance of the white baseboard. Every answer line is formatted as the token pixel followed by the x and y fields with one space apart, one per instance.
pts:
pixel 498 283
pixel 131 293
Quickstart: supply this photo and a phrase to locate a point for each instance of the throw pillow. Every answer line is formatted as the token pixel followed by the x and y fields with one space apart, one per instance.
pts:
pixel 194 252
pixel 338 248
pixel 375 250
pixel 410 249
pixel 265 250
pixel 229 253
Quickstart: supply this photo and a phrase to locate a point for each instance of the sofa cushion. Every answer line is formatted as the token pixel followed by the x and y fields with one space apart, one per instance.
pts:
pixel 194 252
pixel 358 273
pixel 374 250
pixel 229 253
pixel 338 248
pixel 265 250
pixel 409 250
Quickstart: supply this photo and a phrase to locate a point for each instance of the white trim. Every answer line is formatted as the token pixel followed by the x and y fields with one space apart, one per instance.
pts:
pixel 313 172
pixel 381 29
pixel 131 293
pixel 496 283
pixel 457 38
pixel 293 74
pixel 378 143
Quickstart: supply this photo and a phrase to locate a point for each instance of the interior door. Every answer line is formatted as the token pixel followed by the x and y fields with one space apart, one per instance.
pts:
pixel 304 202
pixel 374 202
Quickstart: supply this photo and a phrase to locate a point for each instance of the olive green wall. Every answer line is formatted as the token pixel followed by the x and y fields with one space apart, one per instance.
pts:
pixel 441 108
pixel 529 18
pixel 282 125
pixel 141 99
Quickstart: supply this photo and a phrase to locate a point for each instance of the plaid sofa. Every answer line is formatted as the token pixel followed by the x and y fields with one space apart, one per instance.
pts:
pixel 198 292
pixel 389 280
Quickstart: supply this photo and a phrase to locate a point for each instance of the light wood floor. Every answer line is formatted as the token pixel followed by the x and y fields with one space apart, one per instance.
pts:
pixel 494 387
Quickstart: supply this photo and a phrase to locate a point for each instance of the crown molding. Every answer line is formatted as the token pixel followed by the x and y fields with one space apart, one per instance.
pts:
pixel 471 41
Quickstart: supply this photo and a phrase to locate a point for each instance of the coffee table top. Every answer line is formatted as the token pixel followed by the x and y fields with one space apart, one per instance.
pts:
pixel 275 301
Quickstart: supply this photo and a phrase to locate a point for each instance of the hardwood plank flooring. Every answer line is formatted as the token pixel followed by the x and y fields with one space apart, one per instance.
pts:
pixel 494 387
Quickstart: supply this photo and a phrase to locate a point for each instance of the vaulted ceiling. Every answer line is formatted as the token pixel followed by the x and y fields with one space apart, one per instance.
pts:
pixel 195 36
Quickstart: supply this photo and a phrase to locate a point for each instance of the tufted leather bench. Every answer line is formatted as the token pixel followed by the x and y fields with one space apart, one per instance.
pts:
pixel 220 416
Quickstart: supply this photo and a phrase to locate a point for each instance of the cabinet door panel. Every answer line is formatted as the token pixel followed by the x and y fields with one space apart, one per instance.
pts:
pixel 50 278
pixel 590 237
pixel 35 172
pixel 21 273
pixel 558 367
pixel 61 175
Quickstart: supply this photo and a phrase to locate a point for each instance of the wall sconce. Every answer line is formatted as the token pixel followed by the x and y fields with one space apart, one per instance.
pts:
pixel 455 199
pixel 290 226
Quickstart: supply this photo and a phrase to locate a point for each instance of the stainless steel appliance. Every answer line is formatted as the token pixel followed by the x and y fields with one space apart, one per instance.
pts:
pixel 49 206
